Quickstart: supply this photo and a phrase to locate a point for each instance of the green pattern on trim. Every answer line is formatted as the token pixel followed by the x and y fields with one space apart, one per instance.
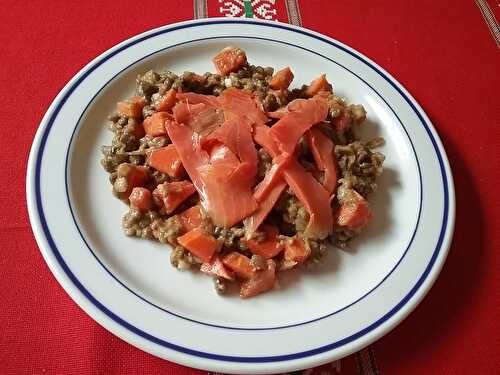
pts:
pixel 248 9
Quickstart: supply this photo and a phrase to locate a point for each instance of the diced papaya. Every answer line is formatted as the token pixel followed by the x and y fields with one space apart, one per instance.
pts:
pixel 171 194
pixel 355 213
pixel 318 85
pixel 270 246
pixel 199 243
pixel 296 250
pixel 191 218
pixel 131 107
pixel 140 198
pixel 230 59
pixel 137 130
pixel 154 125
pixel 167 102
pixel 166 160
pixel 129 176
pixel 239 264
pixel 260 282
pixel 217 268
pixel 281 79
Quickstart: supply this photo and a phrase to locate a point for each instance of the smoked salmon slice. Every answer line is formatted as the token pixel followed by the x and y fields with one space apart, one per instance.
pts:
pixel 291 127
pixel 314 197
pixel 308 190
pixel 223 164
pixel 187 144
pixel 194 98
pixel 226 197
pixel 242 103
pixel 266 204
pixel 267 193
pixel 262 137
pixel 236 134
pixel 272 178
pixel 229 198
pixel 279 114
pixel 201 117
pixel 322 149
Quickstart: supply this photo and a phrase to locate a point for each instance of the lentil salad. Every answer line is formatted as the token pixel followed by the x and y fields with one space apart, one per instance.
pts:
pixel 241 175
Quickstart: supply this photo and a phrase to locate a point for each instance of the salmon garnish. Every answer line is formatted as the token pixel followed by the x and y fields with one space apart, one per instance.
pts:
pixel 227 198
pixel 242 103
pixel 307 189
pixel 291 127
pixel 266 204
pixel 314 197
pixel 194 98
pixel 262 137
pixel 279 114
pixel 201 117
pixel 272 178
pixel 322 149
pixel 187 144
pixel 236 134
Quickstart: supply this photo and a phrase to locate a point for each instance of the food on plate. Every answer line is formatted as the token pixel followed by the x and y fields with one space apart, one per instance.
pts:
pixel 244 176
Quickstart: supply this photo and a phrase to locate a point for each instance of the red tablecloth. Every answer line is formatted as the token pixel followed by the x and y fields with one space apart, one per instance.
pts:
pixel 442 51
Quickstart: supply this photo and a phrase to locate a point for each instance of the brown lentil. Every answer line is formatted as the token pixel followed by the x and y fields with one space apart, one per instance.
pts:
pixel 358 165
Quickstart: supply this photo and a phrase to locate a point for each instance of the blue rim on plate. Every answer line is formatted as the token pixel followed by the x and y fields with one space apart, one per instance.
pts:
pixel 216 325
pixel 242 359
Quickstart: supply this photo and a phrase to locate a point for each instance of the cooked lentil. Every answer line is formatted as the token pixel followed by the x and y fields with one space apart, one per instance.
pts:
pixel 358 166
pixel 258 263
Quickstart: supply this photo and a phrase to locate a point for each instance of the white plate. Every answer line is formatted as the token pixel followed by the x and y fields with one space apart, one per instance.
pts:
pixel 128 285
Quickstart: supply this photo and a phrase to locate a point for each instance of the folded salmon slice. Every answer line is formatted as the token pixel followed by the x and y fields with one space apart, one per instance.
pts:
pixel 266 204
pixel 222 158
pixel 272 178
pixel 262 137
pixel 314 197
pixel 308 190
pixel 224 194
pixel 240 103
pixel 194 98
pixel 302 115
pixel 201 117
pixel 322 150
pixel 229 197
pixel 267 193
pixel 236 134
pixel 279 114
pixel 184 112
pixel 187 144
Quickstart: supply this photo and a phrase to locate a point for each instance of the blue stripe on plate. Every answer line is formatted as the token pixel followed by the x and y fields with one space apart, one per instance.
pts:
pixel 232 327
pixel 264 359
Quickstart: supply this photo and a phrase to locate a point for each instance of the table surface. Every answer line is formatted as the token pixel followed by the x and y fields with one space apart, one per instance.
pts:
pixel 442 52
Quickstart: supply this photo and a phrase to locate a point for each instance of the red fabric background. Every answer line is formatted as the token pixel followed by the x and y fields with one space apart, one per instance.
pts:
pixel 441 52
